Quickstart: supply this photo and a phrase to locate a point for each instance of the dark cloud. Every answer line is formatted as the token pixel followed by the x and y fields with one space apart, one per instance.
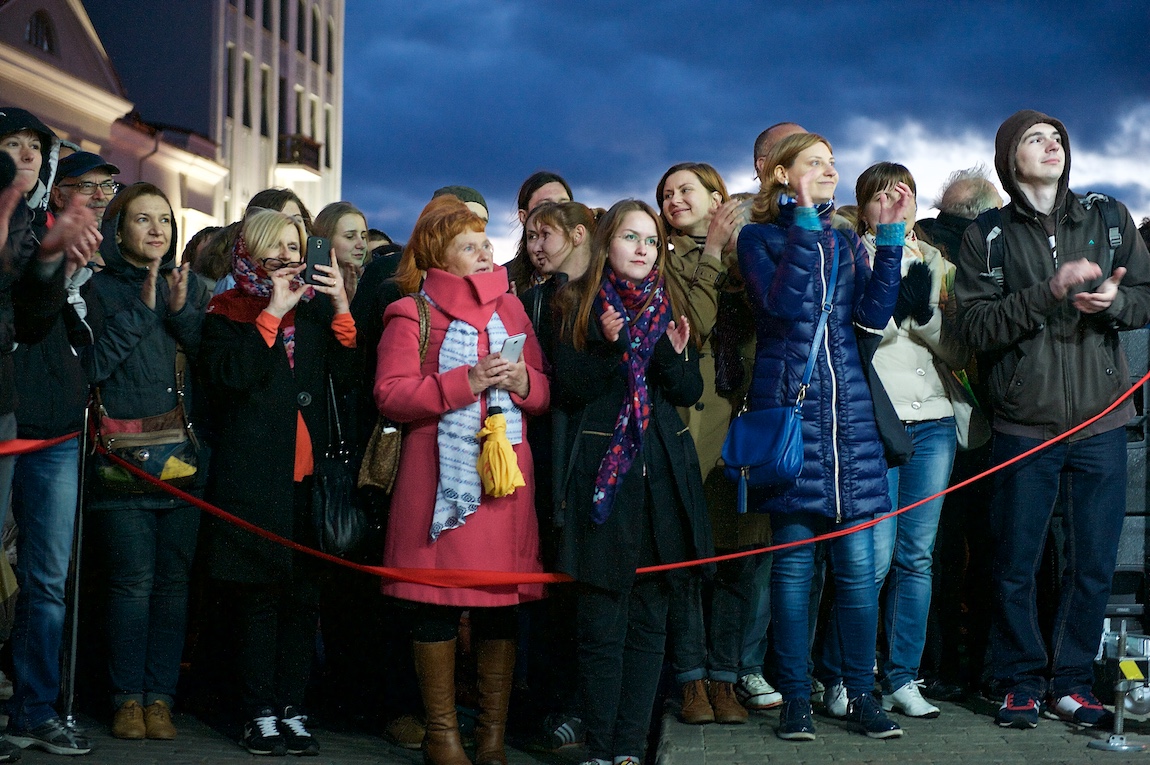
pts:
pixel 609 95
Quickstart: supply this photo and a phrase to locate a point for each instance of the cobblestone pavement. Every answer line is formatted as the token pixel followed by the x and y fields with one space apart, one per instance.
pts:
pixel 199 744
pixel 962 734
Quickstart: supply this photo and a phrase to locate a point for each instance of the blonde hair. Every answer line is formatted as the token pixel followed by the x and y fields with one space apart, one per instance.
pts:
pixel 784 153
pixel 262 229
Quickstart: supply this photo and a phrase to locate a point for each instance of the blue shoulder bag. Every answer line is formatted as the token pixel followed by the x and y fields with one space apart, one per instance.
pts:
pixel 765 447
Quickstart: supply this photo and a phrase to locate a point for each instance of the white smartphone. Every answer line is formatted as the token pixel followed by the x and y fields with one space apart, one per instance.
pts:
pixel 513 348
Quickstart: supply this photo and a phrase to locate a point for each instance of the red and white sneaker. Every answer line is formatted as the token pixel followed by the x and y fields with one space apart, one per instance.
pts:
pixel 1082 709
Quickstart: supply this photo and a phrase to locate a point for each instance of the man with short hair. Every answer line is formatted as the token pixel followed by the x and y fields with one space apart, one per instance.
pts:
pixel 768 138
pixel 965 195
pixel 1042 290
pixel 88 175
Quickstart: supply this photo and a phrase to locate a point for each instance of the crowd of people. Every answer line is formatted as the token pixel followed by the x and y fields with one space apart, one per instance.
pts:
pixel 568 413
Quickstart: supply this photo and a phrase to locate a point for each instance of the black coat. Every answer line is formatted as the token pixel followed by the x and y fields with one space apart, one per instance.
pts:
pixel 255 396
pixel 590 387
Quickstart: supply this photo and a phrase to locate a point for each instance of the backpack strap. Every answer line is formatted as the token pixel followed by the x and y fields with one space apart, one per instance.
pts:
pixel 1108 206
pixel 990 226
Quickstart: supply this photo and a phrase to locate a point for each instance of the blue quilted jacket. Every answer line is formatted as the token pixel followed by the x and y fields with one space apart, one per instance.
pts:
pixel 786 266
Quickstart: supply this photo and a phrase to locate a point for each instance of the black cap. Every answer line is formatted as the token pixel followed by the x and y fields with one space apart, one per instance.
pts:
pixel 463 194
pixel 76 164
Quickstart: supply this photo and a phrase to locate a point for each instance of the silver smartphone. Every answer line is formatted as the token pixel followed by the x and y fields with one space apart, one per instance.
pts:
pixel 513 348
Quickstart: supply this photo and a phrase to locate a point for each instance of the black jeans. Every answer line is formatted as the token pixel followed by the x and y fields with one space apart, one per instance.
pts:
pixel 621 642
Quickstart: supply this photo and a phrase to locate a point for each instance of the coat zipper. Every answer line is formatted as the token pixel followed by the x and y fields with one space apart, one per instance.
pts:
pixel 834 389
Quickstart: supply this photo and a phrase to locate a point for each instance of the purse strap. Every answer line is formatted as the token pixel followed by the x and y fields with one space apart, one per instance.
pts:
pixel 336 446
pixel 424 309
pixel 824 314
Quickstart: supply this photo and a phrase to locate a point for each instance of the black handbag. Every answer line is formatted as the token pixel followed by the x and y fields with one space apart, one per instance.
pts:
pixel 765 447
pixel 339 522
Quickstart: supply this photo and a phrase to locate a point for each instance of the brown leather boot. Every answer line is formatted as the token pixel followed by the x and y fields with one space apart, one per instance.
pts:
pixel 727 708
pixel 495 665
pixel 435 667
pixel 696 708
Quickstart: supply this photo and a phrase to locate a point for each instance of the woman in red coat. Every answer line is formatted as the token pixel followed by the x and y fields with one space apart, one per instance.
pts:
pixel 440 516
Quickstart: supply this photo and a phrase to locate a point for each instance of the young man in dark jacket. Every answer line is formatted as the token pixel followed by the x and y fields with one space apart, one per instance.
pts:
pixel 1049 329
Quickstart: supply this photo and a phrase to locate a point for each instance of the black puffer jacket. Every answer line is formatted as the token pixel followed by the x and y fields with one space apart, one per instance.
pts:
pixel 132 359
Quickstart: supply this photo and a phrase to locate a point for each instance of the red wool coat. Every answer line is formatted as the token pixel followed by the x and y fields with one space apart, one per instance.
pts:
pixel 503 534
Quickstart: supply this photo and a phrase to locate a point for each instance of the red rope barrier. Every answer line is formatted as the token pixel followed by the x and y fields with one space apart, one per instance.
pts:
pixel 471 578
pixel 17 446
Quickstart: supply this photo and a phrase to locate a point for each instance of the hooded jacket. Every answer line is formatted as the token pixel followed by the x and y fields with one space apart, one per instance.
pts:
pixel 31 294
pixel 132 359
pixel 1049 366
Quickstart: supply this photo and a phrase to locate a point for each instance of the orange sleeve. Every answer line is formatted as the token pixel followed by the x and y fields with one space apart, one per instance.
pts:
pixel 344 328
pixel 269 327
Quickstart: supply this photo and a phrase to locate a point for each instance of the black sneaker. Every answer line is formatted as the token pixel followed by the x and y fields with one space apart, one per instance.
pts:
pixel 51 736
pixel 561 731
pixel 1019 710
pixel 795 722
pixel 865 712
pixel 297 739
pixel 1082 709
pixel 262 734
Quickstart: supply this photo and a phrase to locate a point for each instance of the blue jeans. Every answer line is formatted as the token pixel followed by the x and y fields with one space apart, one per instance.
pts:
pixel 904 546
pixel 44 492
pixel 149 560
pixel 758 617
pixel 856 601
pixel 1088 479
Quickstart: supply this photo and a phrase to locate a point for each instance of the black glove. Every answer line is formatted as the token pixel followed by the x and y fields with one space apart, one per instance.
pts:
pixel 914 295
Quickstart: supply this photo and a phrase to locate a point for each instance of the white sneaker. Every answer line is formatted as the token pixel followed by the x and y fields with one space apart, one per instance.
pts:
pixel 835 700
pixel 754 692
pixel 908 700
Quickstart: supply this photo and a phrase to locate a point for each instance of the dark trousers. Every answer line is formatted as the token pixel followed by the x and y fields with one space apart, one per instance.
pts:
pixel 1088 477
pixel 621 640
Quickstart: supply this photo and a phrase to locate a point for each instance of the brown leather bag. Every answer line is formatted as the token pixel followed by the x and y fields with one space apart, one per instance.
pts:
pixel 381 457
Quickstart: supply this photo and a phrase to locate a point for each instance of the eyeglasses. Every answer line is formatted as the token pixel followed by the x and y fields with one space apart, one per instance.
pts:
pixel 275 264
pixel 632 238
pixel 88 188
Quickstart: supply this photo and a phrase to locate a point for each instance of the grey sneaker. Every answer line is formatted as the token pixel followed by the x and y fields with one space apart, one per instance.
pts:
pixel 835 700
pixel 52 736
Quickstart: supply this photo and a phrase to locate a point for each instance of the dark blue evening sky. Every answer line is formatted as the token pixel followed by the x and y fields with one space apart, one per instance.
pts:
pixel 610 94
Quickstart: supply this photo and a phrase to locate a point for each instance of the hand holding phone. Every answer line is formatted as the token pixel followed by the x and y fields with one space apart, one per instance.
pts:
pixel 513 348
pixel 318 253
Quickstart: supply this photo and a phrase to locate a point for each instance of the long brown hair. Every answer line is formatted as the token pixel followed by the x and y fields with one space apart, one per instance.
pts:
pixel 577 298
pixel 708 176
pixel 766 205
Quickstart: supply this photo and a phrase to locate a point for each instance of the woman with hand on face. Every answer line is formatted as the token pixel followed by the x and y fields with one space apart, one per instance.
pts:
pixel 345 227
pixel 143 309
pixel 704 224
pixel 444 394
pixel 919 344
pixel 786 258
pixel 633 495
pixel 540 187
pixel 272 345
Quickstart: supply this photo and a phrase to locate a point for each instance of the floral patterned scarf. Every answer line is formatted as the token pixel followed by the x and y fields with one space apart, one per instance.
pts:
pixel 646 311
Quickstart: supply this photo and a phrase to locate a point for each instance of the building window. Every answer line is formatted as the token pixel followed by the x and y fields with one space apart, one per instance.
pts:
pixel 265 100
pixel 315 119
pixel 247 114
pixel 301 27
pixel 283 19
pixel 327 145
pixel 267 14
pixel 330 46
pixel 230 66
pixel 299 115
pixel 283 112
pixel 250 8
pixel 315 34
pixel 41 33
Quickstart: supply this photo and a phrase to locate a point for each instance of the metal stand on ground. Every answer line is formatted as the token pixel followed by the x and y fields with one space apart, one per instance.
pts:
pixel 72 595
pixel 1117 741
